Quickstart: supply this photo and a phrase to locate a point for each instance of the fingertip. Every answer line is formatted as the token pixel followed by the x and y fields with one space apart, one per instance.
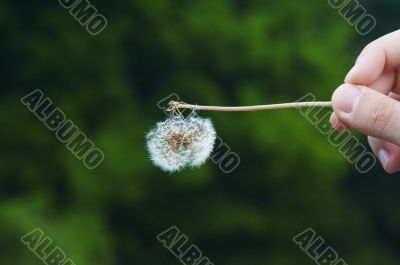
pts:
pixel 384 157
pixel 388 162
pixel 387 153
pixel 393 163
pixel 351 76
pixel 368 67
pixel 344 98
pixel 334 120
pixel 337 124
pixel 359 76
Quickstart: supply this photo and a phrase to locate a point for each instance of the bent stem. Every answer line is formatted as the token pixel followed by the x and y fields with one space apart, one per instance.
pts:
pixel 175 106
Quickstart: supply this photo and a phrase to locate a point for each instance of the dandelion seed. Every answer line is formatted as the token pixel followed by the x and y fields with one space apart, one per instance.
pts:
pixel 180 142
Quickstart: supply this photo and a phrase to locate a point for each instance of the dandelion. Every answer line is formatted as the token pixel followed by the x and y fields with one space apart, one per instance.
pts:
pixel 180 142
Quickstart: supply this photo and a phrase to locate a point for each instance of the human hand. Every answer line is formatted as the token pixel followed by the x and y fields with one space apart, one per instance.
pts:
pixel 369 99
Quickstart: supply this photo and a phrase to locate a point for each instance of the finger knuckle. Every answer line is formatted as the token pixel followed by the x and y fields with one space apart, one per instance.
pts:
pixel 381 115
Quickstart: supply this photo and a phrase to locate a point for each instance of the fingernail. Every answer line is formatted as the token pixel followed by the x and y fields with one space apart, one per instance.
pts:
pixel 384 156
pixel 345 97
pixel 337 123
pixel 334 120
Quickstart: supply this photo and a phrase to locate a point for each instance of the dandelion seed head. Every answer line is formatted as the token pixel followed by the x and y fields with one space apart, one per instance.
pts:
pixel 180 142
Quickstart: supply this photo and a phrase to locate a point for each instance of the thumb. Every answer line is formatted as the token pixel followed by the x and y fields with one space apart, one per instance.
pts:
pixel 368 111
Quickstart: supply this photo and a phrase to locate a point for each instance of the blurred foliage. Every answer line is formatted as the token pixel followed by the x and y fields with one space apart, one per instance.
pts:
pixel 220 52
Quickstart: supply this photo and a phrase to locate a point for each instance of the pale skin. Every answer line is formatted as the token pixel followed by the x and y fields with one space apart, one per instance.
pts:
pixel 369 100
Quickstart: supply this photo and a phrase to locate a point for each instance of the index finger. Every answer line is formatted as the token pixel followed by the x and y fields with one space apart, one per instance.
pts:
pixel 377 57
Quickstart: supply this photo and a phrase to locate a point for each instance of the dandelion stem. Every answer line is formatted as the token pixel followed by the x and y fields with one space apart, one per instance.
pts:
pixel 322 104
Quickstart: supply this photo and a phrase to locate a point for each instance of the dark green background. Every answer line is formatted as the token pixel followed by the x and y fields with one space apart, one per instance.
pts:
pixel 217 52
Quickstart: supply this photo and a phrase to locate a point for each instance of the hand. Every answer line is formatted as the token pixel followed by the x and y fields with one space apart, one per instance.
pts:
pixel 369 99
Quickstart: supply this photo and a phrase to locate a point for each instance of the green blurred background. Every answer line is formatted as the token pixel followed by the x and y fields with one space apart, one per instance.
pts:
pixel 217 52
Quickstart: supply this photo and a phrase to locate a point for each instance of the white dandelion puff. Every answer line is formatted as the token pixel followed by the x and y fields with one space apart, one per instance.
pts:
pixel 180 142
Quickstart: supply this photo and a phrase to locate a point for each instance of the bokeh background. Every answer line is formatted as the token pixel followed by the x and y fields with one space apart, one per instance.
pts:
pixel 219 52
